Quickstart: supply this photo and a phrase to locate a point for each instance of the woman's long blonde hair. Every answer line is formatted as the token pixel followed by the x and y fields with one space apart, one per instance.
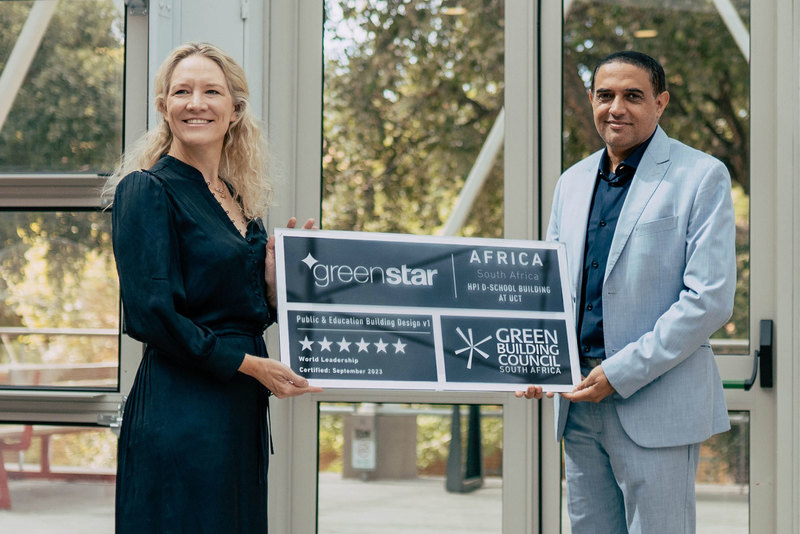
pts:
pixel 243 164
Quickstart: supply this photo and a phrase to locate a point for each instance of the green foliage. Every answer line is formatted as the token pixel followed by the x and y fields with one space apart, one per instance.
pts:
pixel 707 77
pixel 95 449
pixel 67 116
pixel 57 272
pixel 330 443
pixel 433 441
pixel 410 96
pixel 725 458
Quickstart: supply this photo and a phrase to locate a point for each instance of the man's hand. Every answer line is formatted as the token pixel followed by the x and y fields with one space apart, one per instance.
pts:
pixel 593 388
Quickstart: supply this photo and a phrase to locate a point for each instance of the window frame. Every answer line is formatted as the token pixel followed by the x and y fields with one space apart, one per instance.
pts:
pixel 81 192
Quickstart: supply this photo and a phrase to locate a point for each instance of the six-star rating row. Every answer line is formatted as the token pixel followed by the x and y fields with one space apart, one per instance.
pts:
pixel 359 346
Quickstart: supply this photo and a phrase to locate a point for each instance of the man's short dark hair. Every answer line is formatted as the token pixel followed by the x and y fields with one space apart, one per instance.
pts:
pixel 657 78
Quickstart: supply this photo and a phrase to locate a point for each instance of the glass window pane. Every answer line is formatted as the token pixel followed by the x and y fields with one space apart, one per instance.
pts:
pixel 397 468
pixel 57 479
pixel 65 99
pixel 411 90
pixel 708 78
pixel 723 480
pixel 59 307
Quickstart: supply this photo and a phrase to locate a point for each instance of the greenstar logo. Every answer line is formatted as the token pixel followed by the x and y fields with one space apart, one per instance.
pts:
pixel 326 275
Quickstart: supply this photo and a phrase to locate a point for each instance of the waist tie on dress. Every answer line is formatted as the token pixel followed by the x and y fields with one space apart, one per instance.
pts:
pixel 265 423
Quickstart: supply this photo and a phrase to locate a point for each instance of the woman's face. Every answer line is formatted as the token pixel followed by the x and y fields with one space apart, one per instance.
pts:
pixel 198 107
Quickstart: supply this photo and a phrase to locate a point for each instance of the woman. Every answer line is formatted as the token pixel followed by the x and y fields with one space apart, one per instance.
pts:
pixel 197 279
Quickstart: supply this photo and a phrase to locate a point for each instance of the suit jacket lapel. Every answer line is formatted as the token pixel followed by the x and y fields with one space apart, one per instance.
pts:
pixel 651 171
pixel 580 204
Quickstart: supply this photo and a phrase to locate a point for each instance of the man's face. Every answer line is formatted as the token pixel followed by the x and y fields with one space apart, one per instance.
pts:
pixel 625 109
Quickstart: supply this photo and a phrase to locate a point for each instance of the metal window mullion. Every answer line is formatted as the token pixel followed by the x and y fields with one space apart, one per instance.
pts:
pixel 34 191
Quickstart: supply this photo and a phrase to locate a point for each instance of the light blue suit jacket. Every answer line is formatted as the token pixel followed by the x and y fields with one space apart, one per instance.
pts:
pixel 669 284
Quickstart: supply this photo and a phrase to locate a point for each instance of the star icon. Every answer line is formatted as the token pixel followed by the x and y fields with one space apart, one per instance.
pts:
pixel 399 347
pixel 380 345
pixel 325 344
pixel 310 261
pixel 362 346
pixel 344 345
pixel 307 343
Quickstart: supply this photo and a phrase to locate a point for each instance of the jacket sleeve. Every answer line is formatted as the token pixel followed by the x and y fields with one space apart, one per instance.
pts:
pixel 147 252
pixel 706 299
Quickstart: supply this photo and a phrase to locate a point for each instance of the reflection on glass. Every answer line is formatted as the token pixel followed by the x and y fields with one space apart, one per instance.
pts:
pixel 66 115
pixel 398 468
pixel 59 311
pixel 57 479
pixel 708 78
pixel 411 91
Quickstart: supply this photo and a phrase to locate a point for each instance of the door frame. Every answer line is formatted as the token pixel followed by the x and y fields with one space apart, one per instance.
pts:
pixel 293 88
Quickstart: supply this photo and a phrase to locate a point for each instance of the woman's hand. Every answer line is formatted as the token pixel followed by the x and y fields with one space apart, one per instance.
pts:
pixel 269 271
pixel 276 377
pixel 533 392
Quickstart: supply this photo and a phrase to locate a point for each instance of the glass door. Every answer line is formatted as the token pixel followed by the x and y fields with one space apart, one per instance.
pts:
pixel 411 93
pixel 415 139
pixel 710 61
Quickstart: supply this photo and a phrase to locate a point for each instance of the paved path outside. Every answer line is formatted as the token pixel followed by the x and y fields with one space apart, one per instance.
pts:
pixel 346 506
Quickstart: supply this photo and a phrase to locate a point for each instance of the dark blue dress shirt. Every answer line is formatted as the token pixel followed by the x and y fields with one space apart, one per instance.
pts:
pixel 610 191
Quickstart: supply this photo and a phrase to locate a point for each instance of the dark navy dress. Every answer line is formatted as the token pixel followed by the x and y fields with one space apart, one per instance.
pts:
pixel 193 450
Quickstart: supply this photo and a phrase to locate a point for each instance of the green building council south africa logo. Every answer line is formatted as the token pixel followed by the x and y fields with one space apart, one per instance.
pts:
pixel 518 350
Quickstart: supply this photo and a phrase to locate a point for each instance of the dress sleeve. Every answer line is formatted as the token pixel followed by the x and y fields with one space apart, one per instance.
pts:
pixel 146 249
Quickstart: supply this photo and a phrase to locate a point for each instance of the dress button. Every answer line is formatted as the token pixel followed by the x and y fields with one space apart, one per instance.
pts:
pixel 595 265
pixel 590 307
pixel 602 223
pixel 586 348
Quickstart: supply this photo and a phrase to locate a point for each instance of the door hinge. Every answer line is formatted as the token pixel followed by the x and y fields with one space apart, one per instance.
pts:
pixel 137 8
pixel 113 421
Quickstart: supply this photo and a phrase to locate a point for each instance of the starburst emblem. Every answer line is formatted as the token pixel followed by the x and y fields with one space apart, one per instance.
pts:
pixel 472 347
pixel 310 261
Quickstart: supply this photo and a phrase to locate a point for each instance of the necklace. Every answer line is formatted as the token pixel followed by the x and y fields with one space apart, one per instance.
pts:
pixel 219 194
pixel 217 190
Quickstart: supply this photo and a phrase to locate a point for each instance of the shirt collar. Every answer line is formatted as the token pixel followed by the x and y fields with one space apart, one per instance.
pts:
pixel 625 170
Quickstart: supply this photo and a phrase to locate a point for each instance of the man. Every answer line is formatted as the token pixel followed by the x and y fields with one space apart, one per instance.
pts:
pixel 649 228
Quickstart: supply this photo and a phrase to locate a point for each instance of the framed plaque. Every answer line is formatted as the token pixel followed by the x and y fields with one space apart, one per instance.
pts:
pixel 392 311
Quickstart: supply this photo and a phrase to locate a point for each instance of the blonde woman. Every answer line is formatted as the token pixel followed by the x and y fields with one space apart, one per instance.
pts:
pixel 197 279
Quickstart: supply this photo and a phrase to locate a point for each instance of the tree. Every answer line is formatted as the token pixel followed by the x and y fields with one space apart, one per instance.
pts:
pixel 708 78
pixel 67 116
pixel 410 96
